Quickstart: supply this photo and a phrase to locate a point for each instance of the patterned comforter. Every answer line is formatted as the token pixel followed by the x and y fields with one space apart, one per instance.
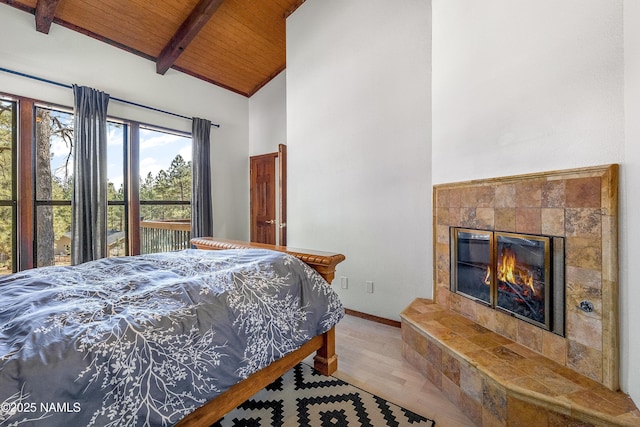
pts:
pixel 145 340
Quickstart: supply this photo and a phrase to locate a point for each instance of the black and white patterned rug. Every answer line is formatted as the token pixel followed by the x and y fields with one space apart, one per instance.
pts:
pixel 304 398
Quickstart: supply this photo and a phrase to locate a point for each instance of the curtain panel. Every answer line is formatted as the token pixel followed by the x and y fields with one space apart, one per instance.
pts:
pixel 89 200
pixel 201 198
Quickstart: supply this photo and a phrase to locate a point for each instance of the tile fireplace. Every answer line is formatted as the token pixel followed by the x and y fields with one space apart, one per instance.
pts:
pixel 537 217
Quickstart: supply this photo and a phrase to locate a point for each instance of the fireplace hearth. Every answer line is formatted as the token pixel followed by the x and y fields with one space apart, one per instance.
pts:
pixel 519 274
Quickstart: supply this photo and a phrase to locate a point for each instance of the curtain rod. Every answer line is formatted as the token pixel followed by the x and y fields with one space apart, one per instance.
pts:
pixel 124 101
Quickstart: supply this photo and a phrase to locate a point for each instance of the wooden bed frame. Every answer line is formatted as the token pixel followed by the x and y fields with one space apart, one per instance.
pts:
pixel 325 360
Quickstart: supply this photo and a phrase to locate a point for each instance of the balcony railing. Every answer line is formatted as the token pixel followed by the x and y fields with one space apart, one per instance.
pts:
pixel 164 236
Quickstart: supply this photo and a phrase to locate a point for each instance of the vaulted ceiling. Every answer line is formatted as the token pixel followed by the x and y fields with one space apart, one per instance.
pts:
pixel 236 44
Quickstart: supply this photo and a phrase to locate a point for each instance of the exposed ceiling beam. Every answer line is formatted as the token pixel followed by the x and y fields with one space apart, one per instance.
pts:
pixel 45 12
pixel 198 18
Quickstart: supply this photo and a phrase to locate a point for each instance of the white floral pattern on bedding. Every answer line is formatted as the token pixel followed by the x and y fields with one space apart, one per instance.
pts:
pixel 145 340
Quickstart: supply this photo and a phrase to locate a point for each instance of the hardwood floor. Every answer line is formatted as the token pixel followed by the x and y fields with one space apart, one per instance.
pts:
pixel 370 357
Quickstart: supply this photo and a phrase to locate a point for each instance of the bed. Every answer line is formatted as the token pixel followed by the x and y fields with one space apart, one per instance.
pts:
pixel 160 339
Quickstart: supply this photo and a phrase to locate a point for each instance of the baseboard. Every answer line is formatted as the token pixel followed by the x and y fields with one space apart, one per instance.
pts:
pixel 372 318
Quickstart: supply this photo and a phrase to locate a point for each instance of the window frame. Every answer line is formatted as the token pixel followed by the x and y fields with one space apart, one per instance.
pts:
pixel 13 201
pixel 25 203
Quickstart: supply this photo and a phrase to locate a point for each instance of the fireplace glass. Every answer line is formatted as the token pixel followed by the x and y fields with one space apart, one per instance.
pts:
pixel 472 264
pixel 519 274
pixel 522 276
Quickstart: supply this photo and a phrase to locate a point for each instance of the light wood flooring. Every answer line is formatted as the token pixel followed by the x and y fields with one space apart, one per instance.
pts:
pixel 370 357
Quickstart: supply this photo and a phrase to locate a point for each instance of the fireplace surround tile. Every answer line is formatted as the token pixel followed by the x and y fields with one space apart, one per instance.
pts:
pixel 579 205
pixel 503 371
pixel 505 384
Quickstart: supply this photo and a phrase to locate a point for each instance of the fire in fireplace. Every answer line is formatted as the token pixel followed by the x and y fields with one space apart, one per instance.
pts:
pixel 519 274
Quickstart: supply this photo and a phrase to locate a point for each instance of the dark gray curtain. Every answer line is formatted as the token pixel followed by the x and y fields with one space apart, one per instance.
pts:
pixel 89 200
pixel 201 199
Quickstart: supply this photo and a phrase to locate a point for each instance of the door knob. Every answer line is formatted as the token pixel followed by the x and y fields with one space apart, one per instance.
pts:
pixel 271 221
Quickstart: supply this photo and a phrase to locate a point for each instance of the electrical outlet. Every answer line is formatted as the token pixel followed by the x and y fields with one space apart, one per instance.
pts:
pixel 369 286
pixel 344 282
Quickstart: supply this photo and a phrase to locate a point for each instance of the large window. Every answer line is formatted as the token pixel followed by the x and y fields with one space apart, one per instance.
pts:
pixel 165 190
pixel 148 193
pixel 53 186
pixel 8 197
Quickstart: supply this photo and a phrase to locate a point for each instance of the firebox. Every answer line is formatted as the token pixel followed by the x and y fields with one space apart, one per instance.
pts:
pixel 519 274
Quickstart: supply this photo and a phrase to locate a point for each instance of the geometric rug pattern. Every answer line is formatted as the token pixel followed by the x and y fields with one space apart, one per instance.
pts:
pixel 304 398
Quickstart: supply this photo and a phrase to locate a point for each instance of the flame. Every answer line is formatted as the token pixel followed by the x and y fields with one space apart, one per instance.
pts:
pixel 508 271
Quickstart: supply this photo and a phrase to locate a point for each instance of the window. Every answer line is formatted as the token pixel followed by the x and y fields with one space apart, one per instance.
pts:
pixel 165 190
pixel 148 193
pixel 54 187
pixel 8 197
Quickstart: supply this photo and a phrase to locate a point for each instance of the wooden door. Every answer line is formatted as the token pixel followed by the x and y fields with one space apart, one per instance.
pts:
pixel 263 198
pixel 268 178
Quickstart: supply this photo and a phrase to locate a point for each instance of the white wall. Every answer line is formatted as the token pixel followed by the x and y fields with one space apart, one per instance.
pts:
pixel 358 141
pixel 69 57
pixel 629 244
pixel 522 86
pixel 268 117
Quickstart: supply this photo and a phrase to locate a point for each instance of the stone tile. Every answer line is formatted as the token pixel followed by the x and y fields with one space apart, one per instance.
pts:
pixel 529 193
pixel 476 196
pixel 553 221
pixel 585 329
pixel 485 218
pixel 530 336
pixel 494 400
pixel 531 384
pixel 505 196
pixel 451 390
pixel 505 354
pixel 462 346
pixel 442 216
pixel 468 217
pixel 505 219
pixel 591 400
pixel 442 234
pixel 503 372
pixel 415 340
pixel 554 347
pixel 583 252
pixel 553 194
pixel 507 326
pixel 583 222
pixel 483 358
pixel 529 220
pixel 454 217
pixel 471 382
pixel 583 276
pixel 486 317
pixel 471 408
pixel 583 193
pixel 490 420
pixel 584 360
pixel 489 340
pixel 434 375
pixel 441 198
pixel 557 384
pixel 455 197
pixel 451 368
pixel 523 414
pixel 562 420
pixel 434 354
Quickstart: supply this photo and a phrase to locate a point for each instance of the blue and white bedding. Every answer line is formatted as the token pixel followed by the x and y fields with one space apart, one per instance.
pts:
pixel 145 340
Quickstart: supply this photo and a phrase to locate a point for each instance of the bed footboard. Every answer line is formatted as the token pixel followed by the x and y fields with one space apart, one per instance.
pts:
pixel 323 262
pixel 325 360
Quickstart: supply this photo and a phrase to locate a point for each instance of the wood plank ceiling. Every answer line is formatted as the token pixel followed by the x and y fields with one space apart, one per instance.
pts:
pixel 236 44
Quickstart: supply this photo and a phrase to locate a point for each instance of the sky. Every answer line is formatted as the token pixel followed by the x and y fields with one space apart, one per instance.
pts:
pixel 157 150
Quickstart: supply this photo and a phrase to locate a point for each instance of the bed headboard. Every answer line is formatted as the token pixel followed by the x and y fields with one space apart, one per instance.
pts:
pixel 323 262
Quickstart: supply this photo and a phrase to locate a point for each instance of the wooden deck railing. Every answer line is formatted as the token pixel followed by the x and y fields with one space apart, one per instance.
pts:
pixel 164 236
